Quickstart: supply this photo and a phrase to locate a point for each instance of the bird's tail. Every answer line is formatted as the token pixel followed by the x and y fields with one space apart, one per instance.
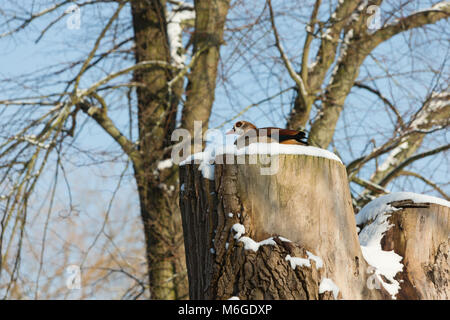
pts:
pixel 301 137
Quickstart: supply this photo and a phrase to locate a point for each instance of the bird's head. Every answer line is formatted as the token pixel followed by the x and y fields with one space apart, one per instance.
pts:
pixel 241 127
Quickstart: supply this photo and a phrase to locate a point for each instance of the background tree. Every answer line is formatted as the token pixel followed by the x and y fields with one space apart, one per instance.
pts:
pixel 138 69
pixel 349 28
pixel 158 75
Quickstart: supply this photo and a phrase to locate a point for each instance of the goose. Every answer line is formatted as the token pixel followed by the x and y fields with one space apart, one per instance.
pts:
pixel 285 136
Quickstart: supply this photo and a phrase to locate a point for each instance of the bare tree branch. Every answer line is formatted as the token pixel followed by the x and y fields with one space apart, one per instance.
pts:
pixel 427 181
pixel 386 101
pixel 101 117
pixel 410 160
pixel 294 75
pixel 377 189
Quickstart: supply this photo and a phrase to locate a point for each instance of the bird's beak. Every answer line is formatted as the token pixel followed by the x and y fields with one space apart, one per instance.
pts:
pixel 231 132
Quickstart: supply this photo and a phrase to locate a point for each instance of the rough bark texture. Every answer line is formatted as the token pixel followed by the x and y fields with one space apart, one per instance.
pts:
pixel 157 109
pixel 208 36
pixel 420 233
pixel 306 201
pixel 156 120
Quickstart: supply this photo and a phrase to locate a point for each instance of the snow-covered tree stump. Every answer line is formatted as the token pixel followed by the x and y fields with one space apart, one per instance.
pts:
pixel 406 238
pixel 287 235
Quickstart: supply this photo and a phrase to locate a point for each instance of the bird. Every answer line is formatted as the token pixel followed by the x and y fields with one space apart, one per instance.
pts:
pixel 285 136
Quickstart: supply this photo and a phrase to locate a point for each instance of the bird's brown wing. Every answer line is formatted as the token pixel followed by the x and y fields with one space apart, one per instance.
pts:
pixel 293 141
pixel 285 134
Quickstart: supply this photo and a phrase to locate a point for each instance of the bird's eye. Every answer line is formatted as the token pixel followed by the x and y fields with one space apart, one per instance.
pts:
pixel 238 124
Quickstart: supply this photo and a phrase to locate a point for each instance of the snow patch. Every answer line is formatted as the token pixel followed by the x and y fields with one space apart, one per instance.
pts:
pixel 441 6
pixel 386 263
pixel 342 53
pixel 437 102
pixel 32 140
pixel 207 157
pixel 380 205
pixel 165 164
pixel 275 149
pixel 206 160
pixel 301 262
pixel 327 34
pixel 316 259
pixel 298 262
pixel 250 244
pixel 363 4
pixel 176 18
pixel 239 229
pixel 312 65
pixel 207 170
pixel 260 148
pixel 284 239
pixel 328 285
pixel 391 160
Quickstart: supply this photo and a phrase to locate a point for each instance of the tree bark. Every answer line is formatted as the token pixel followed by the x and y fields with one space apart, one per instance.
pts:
pixel 306 201
pixel 156 120
pixel 158 102
pixel 208 36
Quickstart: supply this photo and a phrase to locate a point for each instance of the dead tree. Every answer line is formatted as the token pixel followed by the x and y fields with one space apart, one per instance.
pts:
pixel 276 236
pixel 292 235
pixel 419 233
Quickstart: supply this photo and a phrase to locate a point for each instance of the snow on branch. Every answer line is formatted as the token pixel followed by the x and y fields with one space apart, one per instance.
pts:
pixel 432 116
pixel 294 75
pixel 176 20
pixel 417 19
pixel 392 174
pixel 436 103
pixel 440 6
pixel 391 160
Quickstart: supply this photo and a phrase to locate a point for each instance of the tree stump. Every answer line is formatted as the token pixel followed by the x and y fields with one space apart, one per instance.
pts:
pixel 419 233
pixel 288 235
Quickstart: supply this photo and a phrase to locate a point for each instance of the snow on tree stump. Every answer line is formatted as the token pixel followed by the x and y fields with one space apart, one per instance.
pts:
pixel 287 235
pixel 406 238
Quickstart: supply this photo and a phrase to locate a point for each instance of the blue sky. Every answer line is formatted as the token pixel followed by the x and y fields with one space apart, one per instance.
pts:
pixel 250 73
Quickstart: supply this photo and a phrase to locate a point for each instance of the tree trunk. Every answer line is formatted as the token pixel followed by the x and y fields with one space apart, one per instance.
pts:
pixel 300 113
pixel 156 120
pixel 208 36
pixel 420 233
pixel 244 232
